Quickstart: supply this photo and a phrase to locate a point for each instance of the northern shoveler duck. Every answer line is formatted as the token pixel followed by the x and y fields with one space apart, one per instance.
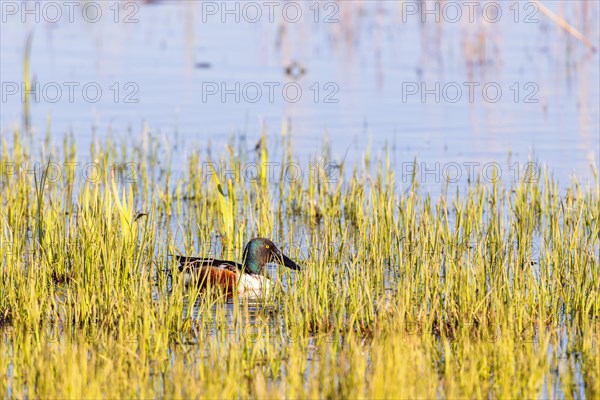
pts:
pixel 247 279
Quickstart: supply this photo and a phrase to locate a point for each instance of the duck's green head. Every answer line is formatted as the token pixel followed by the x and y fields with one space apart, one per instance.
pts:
pixel 259 252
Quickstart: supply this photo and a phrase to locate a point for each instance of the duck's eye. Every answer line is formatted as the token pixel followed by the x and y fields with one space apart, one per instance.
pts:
pixel 266 246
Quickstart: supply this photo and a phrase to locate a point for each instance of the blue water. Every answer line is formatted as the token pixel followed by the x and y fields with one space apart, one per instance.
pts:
pixel 364 78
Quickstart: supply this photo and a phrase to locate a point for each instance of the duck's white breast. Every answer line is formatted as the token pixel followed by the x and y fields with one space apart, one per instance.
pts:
pixel 253 285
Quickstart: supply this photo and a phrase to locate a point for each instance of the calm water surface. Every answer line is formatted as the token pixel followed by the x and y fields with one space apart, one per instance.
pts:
pixel 374 74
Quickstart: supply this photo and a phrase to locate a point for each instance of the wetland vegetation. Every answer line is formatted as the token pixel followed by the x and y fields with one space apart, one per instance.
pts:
pixel 489 290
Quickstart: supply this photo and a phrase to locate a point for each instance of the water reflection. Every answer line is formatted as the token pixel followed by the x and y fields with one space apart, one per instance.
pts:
pixel 383 73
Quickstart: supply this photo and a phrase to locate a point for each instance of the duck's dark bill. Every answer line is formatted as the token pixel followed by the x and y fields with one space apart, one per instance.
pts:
pixel 289 263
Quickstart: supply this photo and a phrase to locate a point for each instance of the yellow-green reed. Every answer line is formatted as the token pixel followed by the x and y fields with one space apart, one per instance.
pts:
pixel 492 290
